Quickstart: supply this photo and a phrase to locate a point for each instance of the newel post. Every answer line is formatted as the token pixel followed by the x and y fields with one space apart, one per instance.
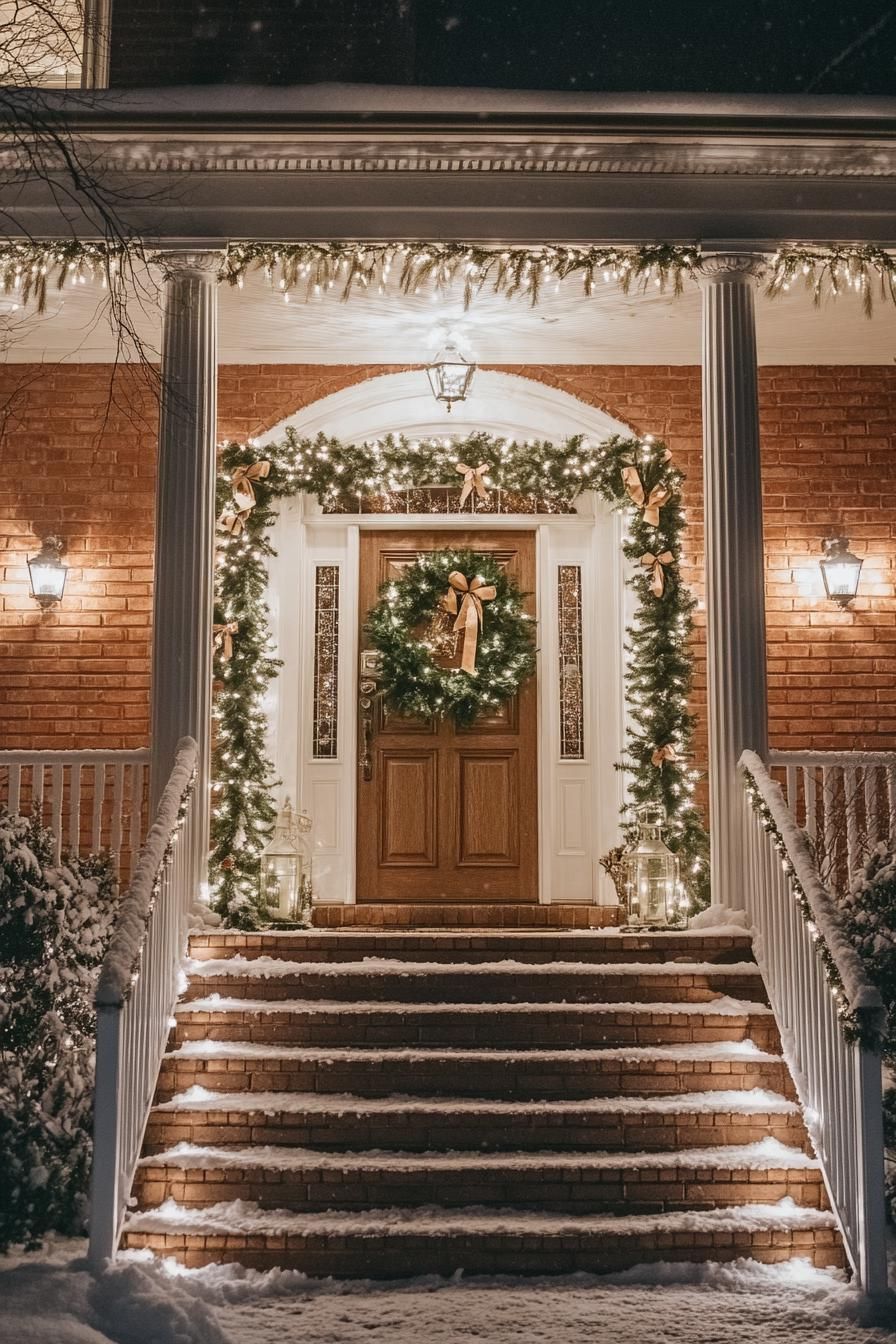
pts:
pixel 735 565
pixel 185 526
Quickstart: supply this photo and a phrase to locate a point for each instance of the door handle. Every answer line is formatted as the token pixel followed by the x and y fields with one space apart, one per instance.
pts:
pixel 367 690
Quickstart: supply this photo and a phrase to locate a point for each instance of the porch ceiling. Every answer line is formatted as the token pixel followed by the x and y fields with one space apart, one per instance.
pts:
pixel 256 326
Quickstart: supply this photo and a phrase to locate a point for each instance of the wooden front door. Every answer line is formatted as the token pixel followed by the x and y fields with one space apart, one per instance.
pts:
pixel 449 814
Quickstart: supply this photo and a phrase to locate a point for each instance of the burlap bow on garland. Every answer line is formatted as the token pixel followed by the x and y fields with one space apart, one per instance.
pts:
pixel 498 652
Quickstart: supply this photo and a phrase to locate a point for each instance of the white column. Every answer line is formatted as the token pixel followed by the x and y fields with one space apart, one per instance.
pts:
pixel 735 567
pixel 185 525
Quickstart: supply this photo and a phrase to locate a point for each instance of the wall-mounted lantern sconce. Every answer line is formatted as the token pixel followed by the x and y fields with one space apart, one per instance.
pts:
pixel 840 571
pixel 47 573
pixel 450 375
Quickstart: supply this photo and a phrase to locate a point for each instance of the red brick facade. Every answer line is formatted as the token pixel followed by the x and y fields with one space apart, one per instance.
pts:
pixel 81 461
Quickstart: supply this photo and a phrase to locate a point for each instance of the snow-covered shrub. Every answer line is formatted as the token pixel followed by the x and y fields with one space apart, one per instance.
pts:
pixel 869 912
pixel 54 925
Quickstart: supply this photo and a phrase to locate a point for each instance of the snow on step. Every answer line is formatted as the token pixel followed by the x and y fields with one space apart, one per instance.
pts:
pixel 263 968
pixel 242 1217
pixel 723 1006
pixel 747 1101
pixel 765 1155
pixel 716 1051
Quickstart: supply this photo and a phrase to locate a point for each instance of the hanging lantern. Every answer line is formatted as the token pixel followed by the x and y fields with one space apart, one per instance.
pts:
pixel 840 570
pixel 654 896
pixel 450 375
pixel 286 869
pixel 47 573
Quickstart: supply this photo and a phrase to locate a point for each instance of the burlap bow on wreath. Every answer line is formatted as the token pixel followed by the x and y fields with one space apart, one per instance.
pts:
pixel 469 617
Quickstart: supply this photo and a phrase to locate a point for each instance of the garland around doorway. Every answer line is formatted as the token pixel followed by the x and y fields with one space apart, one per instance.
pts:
pixel 634 475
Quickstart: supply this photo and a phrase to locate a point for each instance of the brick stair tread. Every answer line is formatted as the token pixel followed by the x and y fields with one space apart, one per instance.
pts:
pixel 723 1006
pixel 445 944
pixel 251 968
pixel 242 1218
pixel 711 1052
pixel 764 1156
pixel 751 1101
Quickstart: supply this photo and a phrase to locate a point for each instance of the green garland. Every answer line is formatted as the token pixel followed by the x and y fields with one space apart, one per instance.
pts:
pixel 866 1028
pixel 659 664
pixel 414 681
pixel 828 271
pixel 314 268
pixel 26 267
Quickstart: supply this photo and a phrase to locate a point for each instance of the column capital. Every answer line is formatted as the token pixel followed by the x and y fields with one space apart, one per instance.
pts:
pixel 716 267
pixel 178 265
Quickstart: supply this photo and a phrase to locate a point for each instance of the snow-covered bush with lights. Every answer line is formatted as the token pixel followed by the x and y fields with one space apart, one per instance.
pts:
pixel 54 925
pixel 869 912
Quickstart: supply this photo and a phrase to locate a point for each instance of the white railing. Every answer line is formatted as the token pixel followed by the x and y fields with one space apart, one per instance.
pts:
pixel 844 800
pixel 136 992
pixel 838 1080
pixel 90 800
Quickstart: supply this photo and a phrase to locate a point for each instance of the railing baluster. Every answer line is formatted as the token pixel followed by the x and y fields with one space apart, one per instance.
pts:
pixel 15 787
pixel 74 809
pixel 811 803
pixel 117 804
pixel 56 777
pixel 851 803
pixel 136 814
pixel 99 793
pixel 791 777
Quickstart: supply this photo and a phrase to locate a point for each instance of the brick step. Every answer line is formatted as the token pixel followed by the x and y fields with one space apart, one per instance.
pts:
pixel 631 1183
pixel 492 982
pixel 388 1243
pixel 552 1025
pixel 243 1067
pixel 451 946
pixel 345 1121
pixel 464 915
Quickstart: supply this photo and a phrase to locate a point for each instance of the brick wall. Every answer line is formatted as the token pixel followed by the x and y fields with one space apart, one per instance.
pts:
pixel 80 460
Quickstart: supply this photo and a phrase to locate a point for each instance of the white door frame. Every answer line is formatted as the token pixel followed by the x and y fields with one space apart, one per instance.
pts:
pixel 579 801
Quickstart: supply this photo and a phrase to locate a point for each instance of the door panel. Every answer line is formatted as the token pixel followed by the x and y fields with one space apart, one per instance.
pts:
pixel 488 802
pixel 408 812
pixel 449 814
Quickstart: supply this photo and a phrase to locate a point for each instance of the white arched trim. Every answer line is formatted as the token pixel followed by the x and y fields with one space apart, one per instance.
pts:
pixel 578 801
pixel 504 404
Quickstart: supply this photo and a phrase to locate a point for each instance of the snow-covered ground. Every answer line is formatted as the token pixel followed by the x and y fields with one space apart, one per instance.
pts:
pixel 49 1298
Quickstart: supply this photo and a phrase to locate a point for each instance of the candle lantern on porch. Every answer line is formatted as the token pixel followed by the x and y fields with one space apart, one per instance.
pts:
pixel 286 868
pixel 654 896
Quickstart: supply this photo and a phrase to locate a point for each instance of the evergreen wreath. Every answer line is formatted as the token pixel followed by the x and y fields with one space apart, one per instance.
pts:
pixel 636 476
pixel 410 626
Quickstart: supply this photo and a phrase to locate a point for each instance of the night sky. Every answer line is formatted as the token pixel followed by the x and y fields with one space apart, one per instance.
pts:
pixel 760 46
pixel 726 46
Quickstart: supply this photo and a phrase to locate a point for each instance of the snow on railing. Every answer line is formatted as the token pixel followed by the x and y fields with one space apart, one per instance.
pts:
pixel 137 989
pixel 90 800
pixel 829 1014
pixel 844 800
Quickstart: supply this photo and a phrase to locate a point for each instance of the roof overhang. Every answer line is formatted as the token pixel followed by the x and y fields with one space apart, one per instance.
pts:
pixel 208 164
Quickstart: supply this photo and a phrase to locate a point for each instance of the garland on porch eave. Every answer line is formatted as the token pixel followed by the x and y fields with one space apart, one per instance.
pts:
pixel 27 267
pixel 634 475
